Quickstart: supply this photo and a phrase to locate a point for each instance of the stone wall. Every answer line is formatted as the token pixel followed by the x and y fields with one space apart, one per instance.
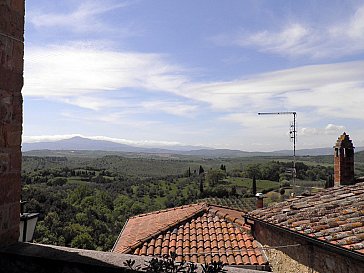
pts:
pixel 37 258
pixel 300 256
pixel 11 83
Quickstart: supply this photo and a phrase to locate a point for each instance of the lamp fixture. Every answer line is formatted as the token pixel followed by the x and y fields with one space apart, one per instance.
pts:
pixel 27 225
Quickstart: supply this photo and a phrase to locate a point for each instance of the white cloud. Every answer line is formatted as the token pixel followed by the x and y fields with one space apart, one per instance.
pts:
pixel 32 139
pixel 303 39
pixel 92 103
pixel 78 69
pixel 330 129
pixel 331 90
pixel 171 107
pixel 96 79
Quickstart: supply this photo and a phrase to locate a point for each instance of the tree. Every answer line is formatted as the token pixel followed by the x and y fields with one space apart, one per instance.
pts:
pixel 329 182
pixel 201 184
pixel 254 186
pixel 213 177
pixel 201 170
pixel 58 181
pixel 83 240
pixel 253 170
pixel 233 191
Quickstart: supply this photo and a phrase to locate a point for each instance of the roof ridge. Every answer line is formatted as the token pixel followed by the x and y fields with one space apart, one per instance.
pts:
pixel 169 209
pixel 224 207
pixel 238 223
pixel 167 227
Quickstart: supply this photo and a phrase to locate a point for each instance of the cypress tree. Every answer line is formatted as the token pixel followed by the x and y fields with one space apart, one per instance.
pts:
pixel 254 187
pixel 201 170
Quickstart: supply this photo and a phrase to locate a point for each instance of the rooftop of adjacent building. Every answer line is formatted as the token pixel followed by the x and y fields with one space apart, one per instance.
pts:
pixel 334 216
pixel 199 233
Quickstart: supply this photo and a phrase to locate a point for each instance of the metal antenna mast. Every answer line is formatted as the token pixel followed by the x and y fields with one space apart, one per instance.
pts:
pixel 293 135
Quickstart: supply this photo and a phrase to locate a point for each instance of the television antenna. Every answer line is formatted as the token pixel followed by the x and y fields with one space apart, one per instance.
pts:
pixel 293 137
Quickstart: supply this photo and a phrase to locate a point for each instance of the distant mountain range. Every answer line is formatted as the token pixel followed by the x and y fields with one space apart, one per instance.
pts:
pixel 80 143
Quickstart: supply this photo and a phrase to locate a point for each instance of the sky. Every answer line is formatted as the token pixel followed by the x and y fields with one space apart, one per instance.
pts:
pixel 195 72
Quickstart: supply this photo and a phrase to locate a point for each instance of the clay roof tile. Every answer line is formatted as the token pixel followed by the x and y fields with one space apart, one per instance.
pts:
pixel 335 215
pixel 207 234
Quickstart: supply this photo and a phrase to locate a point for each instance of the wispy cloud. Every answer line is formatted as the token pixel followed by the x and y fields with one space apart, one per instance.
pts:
pixel 298 39
pixel 251 120
pixel 82 18
pixel 118 117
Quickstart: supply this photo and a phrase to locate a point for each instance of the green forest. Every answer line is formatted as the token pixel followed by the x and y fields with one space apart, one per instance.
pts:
pixel 85 201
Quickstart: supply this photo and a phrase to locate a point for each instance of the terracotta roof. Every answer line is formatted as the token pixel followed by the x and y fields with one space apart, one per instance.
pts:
pixel 334 215
pixel 143 226
pixel 206 233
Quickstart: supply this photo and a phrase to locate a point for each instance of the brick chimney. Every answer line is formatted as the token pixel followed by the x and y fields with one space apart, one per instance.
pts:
pixel 11 83
pixel 259 200
pixel 343 161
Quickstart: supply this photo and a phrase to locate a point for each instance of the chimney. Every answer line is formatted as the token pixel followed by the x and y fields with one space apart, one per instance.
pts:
pixel 259 200
pixel 343 161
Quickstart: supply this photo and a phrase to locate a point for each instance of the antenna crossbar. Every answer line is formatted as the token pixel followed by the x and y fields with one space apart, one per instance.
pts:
pixel 293 134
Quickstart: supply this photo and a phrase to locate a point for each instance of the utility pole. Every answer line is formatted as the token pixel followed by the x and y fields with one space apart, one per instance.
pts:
pixel 293 135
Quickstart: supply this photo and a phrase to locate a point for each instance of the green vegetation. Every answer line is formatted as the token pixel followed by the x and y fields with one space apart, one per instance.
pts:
pixel 85 201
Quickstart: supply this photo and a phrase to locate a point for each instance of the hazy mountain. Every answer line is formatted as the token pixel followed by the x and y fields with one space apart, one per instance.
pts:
pixel 85 144
pixel 81 143
pixel 77 143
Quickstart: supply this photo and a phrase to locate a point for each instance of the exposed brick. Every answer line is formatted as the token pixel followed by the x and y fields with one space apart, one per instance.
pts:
pixel 11 83
pixel 14 213
pixel 18 108
pixel 4 225
pixel 4 163
pixel 2 136
pixel 10 80
pixel 12 22
pixel 13 190
pixel 18 6
pixel 13 136
pixel 15 161
pixel 344 161
pixel 18 59
pixel 6 49
pixel 11 54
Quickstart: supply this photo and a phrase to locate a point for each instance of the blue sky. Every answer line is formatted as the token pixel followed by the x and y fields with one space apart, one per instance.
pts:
pixel 162 72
